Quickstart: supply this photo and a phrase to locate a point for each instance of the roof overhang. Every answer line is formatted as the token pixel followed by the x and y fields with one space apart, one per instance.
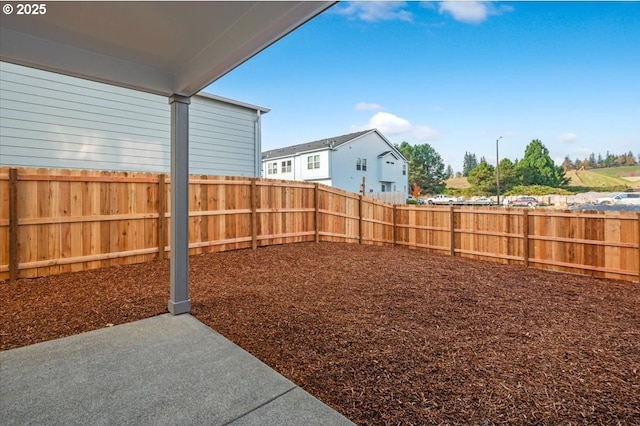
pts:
pixel 158 47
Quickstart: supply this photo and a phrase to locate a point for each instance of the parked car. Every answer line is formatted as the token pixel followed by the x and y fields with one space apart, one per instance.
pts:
pixel 624 198
pixel 523 202
pixel 483 201
pixel 629 199
pixel 412 200
pixel 442 199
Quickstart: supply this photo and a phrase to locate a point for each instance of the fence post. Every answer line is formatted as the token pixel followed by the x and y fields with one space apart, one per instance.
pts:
pixel 453 231
pixel 162 208
pixel 254 214
pixel 360 222
pixel 525 231
pixel 13 224
pixel 395 225
pixel 316 217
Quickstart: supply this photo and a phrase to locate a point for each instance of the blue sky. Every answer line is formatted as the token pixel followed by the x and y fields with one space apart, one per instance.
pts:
pixel 456 75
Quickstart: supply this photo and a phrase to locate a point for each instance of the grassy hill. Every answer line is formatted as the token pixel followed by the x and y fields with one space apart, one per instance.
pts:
pixel 613 177
pixel 610 177
pixel 458 183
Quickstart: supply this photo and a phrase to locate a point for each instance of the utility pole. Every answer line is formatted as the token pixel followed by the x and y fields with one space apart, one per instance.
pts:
pixel 498 171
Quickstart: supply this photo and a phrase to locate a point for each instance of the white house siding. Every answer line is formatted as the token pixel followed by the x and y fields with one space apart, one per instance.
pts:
pixel 56 121
pixel 321 173
pixel 279 174
pixel 345 175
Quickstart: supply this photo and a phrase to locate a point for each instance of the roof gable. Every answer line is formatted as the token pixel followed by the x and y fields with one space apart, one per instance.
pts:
pixel 321 144
pixel 389 153
pixel 330 143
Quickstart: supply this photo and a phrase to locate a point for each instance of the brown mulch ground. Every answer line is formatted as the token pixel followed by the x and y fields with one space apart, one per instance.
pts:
pixel 384 335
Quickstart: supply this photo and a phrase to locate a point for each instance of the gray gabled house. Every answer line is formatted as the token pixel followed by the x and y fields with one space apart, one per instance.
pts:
pixel 342 162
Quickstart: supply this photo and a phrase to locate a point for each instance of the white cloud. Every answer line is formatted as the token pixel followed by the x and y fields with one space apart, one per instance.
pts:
pixel 396 127
pixel 373 11
pixel 365 106
pixel 568 137
pixel 472 12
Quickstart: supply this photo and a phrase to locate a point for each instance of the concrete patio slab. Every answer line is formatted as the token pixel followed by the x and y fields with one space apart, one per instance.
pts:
pixel 161 370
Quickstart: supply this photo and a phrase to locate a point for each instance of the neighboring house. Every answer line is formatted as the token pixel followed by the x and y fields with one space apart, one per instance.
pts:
pixel 55 121
pixel 342 162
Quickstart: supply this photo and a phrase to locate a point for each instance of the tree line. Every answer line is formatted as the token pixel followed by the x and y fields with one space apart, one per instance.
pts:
pixel 599 162
pixel 428 173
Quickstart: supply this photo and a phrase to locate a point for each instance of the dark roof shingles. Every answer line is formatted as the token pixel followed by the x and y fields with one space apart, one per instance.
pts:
pixel 311 146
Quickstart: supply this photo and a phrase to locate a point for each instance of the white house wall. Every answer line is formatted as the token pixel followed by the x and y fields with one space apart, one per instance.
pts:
pixel 345 175
pixel 313 174
pixel 51 120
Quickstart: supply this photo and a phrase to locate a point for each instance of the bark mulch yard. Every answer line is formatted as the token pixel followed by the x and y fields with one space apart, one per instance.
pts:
pixel 384 335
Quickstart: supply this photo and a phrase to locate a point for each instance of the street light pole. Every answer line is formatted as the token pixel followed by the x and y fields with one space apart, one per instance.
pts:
pixel 498 171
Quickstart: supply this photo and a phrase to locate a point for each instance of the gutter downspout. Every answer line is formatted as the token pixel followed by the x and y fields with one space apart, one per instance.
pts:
pixel 258 130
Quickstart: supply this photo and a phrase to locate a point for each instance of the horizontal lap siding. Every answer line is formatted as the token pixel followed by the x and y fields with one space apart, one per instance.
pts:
pixel 50 120
pixel 221 139
pixel 54 121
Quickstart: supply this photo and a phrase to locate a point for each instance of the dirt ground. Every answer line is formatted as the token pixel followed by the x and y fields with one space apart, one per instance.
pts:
pixel 387 336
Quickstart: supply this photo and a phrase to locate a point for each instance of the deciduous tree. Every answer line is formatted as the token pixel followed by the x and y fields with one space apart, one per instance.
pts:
pixel 426 168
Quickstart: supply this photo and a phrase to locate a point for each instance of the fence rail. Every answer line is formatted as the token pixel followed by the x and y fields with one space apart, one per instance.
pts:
pixel 54 221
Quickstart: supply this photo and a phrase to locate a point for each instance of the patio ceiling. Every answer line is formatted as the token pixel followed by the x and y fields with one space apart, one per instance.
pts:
pixel 159 47
pixel 173 49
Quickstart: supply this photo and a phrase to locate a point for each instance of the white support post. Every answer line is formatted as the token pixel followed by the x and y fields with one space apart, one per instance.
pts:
pixel 179 302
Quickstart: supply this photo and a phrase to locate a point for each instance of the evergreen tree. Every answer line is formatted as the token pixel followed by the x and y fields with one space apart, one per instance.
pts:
pixel 449 171
pixel 483 177
pixel 567 164
pixel 537 167
pixel 468 163
pixel 426 169
pixel 577 163
pixel 509 175
pixel 609 160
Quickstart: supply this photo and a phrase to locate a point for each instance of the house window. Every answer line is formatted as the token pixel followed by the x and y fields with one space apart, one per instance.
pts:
pixel 404 169
pixel 361 164
pixel 272 168
pixel 286 166
pixel 313 162
pixel 384 188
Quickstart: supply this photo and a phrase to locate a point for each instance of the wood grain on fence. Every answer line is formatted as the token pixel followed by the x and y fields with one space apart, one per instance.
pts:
pixel 54 221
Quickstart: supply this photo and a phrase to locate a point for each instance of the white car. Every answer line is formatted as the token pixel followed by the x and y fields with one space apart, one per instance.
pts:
pixel 624 198
pixel 628 199
pixel 442 199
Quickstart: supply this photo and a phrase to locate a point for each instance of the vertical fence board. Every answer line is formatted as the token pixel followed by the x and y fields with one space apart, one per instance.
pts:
pixel 12 205
pixel 525 235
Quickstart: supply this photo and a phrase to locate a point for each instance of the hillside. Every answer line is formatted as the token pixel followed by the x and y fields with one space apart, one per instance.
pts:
pixel 614 176
pixel 595 178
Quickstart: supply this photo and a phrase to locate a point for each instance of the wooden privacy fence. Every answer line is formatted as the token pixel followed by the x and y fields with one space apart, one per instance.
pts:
pixel 54 221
